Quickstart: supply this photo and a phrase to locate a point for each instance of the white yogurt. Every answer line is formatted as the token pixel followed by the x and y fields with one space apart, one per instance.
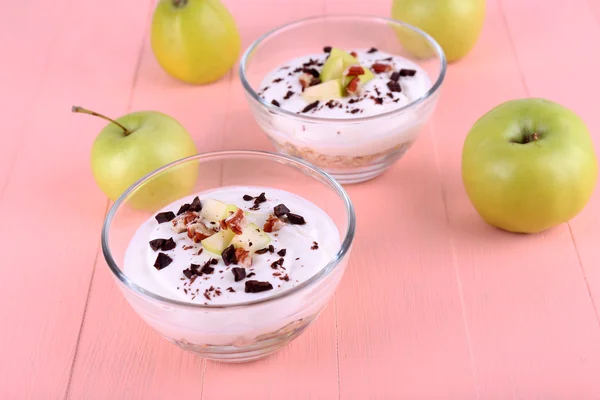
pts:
pixel 302 258
pixel 283 86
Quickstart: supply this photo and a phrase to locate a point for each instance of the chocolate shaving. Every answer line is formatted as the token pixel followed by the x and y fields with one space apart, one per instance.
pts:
pixel 288 95
pixel 277 80
pixel 257 286
pixel 156 244
pixel 250 275
pixel 277 264
pixel 372 50
pixel 275 103
pixel 295 219
pixel 327 49
pixel 310 106
pixel 260 199
pixel 315 246
pixel 238 273
pixel 262 251
pixel 407 72
pixel 231 290
pixel 164 216
pixel 282 252
pixel 311 71
pixel 280 210
pixel 196 205
pixel 169 244
pixel 162 261
pixel 228 255
pixel 271 249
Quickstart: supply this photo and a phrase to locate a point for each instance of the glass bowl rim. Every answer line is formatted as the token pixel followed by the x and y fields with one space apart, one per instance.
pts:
pixel 368 18
pixel 322 274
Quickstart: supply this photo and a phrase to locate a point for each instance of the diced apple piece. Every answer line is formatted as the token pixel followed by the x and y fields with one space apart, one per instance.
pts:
pixel 252 238
pixel 214 210
pixel 218 242
pixel 337 63
pixel 324 91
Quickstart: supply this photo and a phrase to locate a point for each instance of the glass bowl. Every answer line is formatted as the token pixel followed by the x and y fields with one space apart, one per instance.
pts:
pixel 243 331
pixel 352 149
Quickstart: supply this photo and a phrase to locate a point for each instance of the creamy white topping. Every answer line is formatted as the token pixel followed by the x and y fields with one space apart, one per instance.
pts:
pixel 308 248
pixel 283 86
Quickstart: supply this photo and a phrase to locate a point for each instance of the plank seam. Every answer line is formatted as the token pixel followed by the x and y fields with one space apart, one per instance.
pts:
pixel 527 92
pixel 85 308
pixel 454 264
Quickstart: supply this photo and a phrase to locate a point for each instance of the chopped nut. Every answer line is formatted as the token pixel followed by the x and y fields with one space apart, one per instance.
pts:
pixel 353 54
pixel 235 222
pixel 380 68
pixel 198 232
pixel 273 224
pixel 353 85
pixel 181 223
pixel 243 257
pixel 355 70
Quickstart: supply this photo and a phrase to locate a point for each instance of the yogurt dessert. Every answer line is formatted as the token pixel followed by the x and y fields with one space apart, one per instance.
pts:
pixel 228 246
pixel 340 86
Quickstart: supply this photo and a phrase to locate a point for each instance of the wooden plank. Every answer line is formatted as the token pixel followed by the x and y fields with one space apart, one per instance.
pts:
pixel 51 195
pixel 531 322
pixel 307 368
pixel 113 335
pixel 401 326
pixel 26 69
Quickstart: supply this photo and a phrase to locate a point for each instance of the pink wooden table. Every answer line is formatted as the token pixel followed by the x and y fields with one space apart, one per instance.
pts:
pixel 452 308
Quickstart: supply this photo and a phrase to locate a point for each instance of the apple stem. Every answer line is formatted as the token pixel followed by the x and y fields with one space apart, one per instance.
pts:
pixel 77 109
pixel 179 3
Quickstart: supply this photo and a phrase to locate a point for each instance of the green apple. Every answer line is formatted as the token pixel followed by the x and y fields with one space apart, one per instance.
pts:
pixel 136 144
pixel 252 238
pixel 324 91
pixel 337 62
pixel 195 41
pixel 454 24
pixel 529 165
pixel 218 242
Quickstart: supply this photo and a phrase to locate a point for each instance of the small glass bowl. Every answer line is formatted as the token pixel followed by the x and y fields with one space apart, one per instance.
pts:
pixel 243 331
pixel 352 149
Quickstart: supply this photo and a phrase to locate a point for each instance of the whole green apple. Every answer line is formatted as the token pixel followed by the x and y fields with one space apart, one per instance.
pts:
pixel 136 144
pixel 454 24
pixel 528 165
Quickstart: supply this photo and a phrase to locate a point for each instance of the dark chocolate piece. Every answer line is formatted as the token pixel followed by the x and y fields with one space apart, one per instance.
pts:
pixel 189 273
pixel 288 95
pixel 372 50
pixel 395 76
pixel 194 267
pixel 280 210
pixel 296 219
pixel 278 263
pixel 168 244
pixel 196 205
pixel 407 72
pixel 260 199
pixel 394 86
pixel 247 197
pixel 207 269
pixel 238 273
pixel 311 71
pixel 327 49
pixel 275 103
pixel 156 244
pixel 184 208
pixel 310 106
pixel 315 246
pixel 214 261
pixel 282 252
pixel 271 249
pixel 229 255
pixel 165 216
pixel 257 286
pixel 162 261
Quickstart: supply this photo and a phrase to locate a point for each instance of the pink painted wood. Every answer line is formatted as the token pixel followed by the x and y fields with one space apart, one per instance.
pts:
pixel 435 304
